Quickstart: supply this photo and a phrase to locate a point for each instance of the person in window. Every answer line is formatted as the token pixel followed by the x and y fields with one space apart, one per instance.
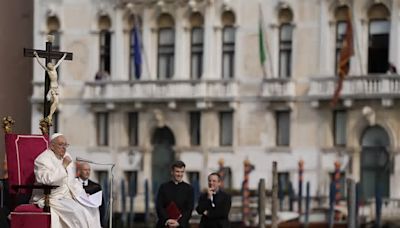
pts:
pixel 101 75
pixel 214 205
pixel 175 200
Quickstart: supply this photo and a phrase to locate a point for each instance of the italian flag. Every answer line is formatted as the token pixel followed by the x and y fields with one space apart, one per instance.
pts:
pixel 261 42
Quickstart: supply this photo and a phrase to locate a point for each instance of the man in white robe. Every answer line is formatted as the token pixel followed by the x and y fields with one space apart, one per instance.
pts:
pixel 55 167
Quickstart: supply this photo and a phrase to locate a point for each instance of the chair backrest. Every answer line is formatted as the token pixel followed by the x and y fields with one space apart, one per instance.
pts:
pixel 21 151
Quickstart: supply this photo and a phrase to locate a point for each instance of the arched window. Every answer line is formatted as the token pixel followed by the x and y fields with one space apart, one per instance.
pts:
pixel 285 42
pixel 341 16
pixel 104 24
pixel 166 46
pixel 375 162
pixel 53 28
pixel 135 54
pixel 378 39
pixel 196 44
pixel 228 44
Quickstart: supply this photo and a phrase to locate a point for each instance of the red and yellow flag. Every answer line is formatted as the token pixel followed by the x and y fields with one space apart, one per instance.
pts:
pixel 343 66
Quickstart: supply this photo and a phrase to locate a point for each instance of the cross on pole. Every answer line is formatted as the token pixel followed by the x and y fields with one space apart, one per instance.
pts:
pixel 49 55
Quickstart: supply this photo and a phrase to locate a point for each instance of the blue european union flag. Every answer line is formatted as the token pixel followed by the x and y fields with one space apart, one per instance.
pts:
pixel 137 53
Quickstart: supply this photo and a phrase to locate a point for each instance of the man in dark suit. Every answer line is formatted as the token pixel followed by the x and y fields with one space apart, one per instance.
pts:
pixel 214 205
pixel 90 186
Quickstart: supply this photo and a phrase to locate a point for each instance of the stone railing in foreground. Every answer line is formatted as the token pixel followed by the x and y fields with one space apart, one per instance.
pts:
pixel 160 90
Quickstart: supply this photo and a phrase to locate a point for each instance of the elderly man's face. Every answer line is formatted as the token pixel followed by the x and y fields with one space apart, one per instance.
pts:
pixel 59 146
pixel 84 171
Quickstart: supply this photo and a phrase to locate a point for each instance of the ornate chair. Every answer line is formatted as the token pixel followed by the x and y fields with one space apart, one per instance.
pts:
pixel 21 152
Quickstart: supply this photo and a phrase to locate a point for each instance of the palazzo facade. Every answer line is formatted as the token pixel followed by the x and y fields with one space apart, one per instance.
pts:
pixel 201 95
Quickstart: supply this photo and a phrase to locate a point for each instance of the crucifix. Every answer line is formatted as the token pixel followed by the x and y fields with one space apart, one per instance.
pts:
pixel 51 76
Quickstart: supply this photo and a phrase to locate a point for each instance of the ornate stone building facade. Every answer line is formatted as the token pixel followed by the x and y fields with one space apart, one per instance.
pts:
pixel 201 95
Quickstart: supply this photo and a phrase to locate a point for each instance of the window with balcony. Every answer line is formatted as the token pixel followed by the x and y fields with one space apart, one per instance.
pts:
pixel 339 127
pixel 226 128
pixel 197 45
pixel 378 39
pixel 341 25
pixel 195 128
pixel 166 46
pixel 196 64
pixel 282 128
pixel 105 44
pixel 285 43
pixel 228 45
pixel 133 129
pixel 102 128
pixel 135 54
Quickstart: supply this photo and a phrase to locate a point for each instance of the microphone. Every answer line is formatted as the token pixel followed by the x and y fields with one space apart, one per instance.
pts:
pixel 92 162
pixel 82 160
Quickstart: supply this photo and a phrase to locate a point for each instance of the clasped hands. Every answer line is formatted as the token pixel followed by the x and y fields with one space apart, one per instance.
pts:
pixel 66 161
pixel 172 223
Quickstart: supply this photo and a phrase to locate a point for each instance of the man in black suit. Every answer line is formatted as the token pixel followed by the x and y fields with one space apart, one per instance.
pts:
pixel 178 193
pixel 214 205
pixel 90 186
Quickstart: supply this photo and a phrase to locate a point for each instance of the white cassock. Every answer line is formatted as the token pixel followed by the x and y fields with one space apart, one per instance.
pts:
pixel 66 211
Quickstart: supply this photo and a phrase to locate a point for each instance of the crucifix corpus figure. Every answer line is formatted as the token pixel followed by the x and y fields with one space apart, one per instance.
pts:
pixel 52 94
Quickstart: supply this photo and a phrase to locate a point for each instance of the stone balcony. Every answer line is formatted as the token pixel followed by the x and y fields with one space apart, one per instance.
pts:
pixel 383 87
pixel 160 90
pixel 278 89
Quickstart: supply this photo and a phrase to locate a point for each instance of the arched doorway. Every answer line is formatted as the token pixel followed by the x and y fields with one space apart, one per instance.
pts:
pixel 375 162
pixel 163 140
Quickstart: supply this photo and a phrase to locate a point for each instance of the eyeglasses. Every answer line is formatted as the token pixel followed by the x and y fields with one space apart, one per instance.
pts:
pixel 66 145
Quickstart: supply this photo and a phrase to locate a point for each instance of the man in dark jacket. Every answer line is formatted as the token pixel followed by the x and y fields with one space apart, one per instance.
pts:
pixel 175 200
pixel 214 205
pixel 90 186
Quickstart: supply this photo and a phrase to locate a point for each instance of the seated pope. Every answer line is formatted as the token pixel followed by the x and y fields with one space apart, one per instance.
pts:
pixel 55 167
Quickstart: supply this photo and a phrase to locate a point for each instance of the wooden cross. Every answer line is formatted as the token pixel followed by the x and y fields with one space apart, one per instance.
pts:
pixel 49 55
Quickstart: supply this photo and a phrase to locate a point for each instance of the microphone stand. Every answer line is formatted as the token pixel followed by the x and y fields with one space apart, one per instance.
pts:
pixel 111 181
pixel 111 194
